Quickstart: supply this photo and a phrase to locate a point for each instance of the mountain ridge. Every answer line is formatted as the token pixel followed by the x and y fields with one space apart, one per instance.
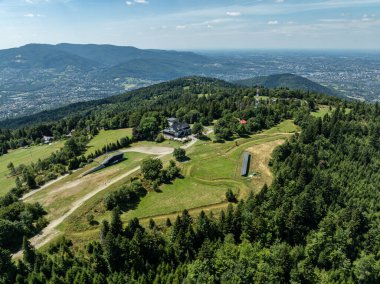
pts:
pixel 287 80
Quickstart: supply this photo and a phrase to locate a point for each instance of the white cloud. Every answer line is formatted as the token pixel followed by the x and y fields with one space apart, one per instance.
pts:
pixel 233 14
pixel 181 27
pixel 130 3
pixel 275 22
pixel 279 1
pixel 332 20
pixel 37 1
pixel 31 15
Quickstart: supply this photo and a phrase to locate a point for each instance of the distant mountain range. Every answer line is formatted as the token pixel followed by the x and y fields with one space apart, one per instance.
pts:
pixel 111 61
pixel 38 77
pixel 291 81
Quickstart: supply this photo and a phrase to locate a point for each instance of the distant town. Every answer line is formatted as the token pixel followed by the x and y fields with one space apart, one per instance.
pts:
pixel 26 91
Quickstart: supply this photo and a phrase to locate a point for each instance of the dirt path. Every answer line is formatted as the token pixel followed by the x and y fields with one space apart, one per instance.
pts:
pixel 50 232
pixel 192 211
pixel 25 196
pixel 261 154
pixel 151 150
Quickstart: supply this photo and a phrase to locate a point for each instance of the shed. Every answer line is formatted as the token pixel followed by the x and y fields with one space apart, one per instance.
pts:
pixel 246 163
pixel 116 158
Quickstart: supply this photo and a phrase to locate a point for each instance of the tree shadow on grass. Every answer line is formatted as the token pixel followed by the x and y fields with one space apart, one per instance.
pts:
pixel 132 205
pixel 94 223
pixel 204 138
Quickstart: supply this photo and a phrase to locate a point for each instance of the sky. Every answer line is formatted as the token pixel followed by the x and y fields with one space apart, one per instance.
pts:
pixel 194 24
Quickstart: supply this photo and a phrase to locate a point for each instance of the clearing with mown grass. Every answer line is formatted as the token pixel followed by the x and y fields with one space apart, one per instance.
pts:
pixel 211 170
pixel 322 111
pixel 58 198
pixel 105 137
pixel 23 156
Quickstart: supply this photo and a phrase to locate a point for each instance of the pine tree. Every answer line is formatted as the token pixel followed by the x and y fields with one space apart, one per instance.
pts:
pixel 116 225
pixel 152 224
pixel 104 229
pixel 29 254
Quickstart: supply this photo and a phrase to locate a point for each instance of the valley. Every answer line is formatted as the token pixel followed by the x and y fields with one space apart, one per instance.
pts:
pixel 29 83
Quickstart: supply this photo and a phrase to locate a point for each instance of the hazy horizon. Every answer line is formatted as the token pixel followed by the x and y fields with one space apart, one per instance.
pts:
pixel 211 50
pixel 194 25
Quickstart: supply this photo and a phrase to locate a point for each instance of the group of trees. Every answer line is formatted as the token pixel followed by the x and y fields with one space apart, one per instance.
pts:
pixel 154 173
pixel 317 222
pixel 18 219
pixel 122 143
pixel 125 197
pixel 180 154
pixel 36 174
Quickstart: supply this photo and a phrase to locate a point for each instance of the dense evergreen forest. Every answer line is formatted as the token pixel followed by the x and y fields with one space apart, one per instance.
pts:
pixel 318 222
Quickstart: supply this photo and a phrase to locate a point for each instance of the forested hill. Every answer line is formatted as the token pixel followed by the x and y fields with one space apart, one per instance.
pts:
pixel 106 59
pixel 290 81
pixel 178 87
pixel 318 222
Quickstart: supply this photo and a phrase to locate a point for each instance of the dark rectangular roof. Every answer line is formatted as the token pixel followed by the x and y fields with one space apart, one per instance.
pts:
pixel 180 126
pixel 245 165
pixel 113 158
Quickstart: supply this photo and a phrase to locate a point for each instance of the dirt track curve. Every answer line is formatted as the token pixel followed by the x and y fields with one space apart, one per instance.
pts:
pixel 49 232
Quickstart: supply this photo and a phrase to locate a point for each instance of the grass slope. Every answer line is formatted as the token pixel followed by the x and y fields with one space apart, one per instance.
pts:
pixel 322 111
pixel 58 198
pixel 106 137
pixel 211 170
pixel 23 156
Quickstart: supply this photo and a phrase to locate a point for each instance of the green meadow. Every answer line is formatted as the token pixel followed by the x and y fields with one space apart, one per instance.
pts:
pixel 106 137
pixel 23 156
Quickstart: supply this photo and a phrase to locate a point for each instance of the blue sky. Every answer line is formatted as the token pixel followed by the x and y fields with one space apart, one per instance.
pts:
pixel 194 24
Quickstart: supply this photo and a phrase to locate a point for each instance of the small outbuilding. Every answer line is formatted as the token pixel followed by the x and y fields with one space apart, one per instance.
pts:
pixel 116 158
pixel 246 164
pixel 171 121
pixel 47 139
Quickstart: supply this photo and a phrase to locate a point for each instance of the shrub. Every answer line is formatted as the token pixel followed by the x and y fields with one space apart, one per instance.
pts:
pixel 230 196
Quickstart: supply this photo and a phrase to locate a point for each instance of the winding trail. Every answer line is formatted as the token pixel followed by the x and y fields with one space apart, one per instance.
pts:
pixel 50 231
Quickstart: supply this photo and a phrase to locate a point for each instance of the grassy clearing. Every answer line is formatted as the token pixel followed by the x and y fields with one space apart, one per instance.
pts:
pixel 322 111
pixel 58 198
pixel 211 170
pixel 23 156
pixel 182 194
pixel 106 137
pixel 165 143
pixel 261 154
pixel 204 95
pixel 286 126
